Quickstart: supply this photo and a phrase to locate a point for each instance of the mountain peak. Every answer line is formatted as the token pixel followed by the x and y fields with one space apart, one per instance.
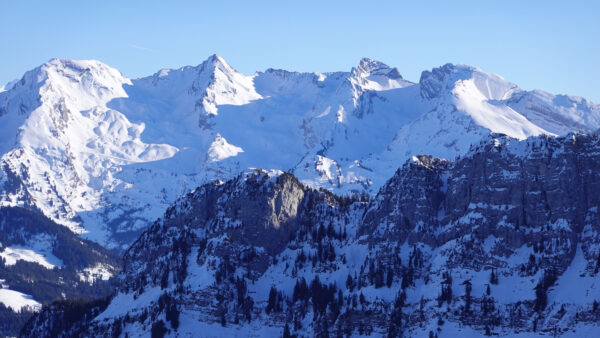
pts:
pixel 444 79
pixel 215 58
pixel 368 66
pixel 76 65
pixel 90 73
pixel 215 62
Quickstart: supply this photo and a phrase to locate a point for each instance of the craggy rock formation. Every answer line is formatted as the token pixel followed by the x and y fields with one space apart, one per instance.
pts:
pixel 501 241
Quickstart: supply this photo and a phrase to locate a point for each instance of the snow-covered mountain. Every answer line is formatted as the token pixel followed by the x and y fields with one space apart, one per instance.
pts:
pixel 105 155
pixel 504 241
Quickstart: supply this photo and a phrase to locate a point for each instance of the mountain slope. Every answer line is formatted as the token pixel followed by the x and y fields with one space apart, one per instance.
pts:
pixel 105 155
pixel 491 243
pixel 41 261
pixel 63 145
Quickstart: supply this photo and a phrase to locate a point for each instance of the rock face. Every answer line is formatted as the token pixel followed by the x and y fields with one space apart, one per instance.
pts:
pixel 501 241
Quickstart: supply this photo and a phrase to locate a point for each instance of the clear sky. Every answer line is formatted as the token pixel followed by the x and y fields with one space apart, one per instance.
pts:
pixel 550 45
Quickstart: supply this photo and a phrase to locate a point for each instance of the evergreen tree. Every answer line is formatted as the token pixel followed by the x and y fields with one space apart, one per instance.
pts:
pixel 396 316
pixel 390 277
pixel 158 329
pixel 446 292
pixel 378 277
pixel 164 282
pixel 286 331
pixel 172 314
pixel 493 277
pixel 372 271
pixel 350 283
pixel 407 278
pixel 541 299
pixel 248 307
pixel 468 288
pixel 272 302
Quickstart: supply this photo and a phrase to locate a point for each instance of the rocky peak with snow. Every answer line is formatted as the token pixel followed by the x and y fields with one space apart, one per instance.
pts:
pixel 368 67
pixel 445 79
pixel 375 75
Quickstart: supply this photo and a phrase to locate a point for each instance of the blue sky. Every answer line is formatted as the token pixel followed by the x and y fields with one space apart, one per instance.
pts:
pixel 550 45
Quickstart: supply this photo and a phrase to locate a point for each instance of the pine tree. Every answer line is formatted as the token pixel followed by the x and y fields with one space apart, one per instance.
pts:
pixel 286 331
pixel 407 278
pixel 493 277
pixel 172 314
pixel 372 271
pixel 541 299
pixel 378 277
pixel 350 283
pixel 158 329
pixel 468 288
pixel 164 282
pixel 272 303
pixel 396 316
pixel 248 307
pixel 446 292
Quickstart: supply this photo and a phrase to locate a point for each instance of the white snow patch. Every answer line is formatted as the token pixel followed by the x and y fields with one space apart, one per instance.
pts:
pixel 38 250
pixel 97 272
pixel 220 149
pixel 17 300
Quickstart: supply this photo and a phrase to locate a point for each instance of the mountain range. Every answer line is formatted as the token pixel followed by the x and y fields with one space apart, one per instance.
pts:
pixel 105 155
pixel 272 203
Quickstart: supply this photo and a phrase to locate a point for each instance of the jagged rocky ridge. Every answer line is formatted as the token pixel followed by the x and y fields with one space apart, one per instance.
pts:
pixel 504 241
pixel 81 142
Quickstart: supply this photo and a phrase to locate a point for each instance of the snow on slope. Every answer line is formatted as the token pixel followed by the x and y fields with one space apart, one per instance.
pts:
pixel 97 272
pixel 105 155
pixel 17 300
pixel 8 85
pixel 12 254
pixel 558 114
pixel 38 250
